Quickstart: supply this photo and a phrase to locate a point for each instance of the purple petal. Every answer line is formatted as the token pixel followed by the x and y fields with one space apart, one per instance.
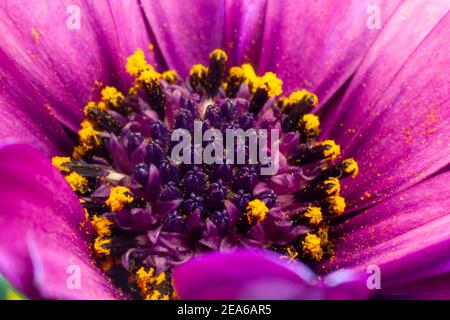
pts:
pixel 399 132
pixel 186 31
pixel 318 44
pixel 244 26
pixel 42 242
pixel 64 67
pixel 407 235
pixel 246 274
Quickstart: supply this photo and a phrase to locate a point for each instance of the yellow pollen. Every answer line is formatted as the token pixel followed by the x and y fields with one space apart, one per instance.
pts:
pixel 314 214
pixel 89 137
pixel 218 55
pixel 336 205
pixel 170 76
pixel 101 246
pixel 146 281
pixel 101 225
pixel 77 182
pixel 237 73
pixel 331 149
pixel 198 70
pixel 136 63
pixel 310 124
pixel 270 83
pixel 302 95
pixel 149 77
pixel 118 198
pixel 249 73
pixel 59 163
pixel 312 246
pixel 112 96
pixel 332 186
pixel 256 211
pixel 351 167
pixel 89 107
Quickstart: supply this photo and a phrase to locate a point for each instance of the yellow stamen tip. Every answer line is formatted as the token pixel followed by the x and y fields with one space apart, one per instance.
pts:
pixel 310 125
pixel 101 246
pixel 332 186
pixel 303 95
pixel 149 76
pixel 59 163
pixel 198 69
pixel 77 182
pixel 314 214
pixel 336 205
pixel 170 76
pixel 237 73
pixel 256 211
pixel 331 149
pixel 101 225
pixel 88 136
pixel 312 246
pixel 136 63
pixel 218 55
pixel 270 83
pixel 118 198
pixel 350 167
pixel 112 95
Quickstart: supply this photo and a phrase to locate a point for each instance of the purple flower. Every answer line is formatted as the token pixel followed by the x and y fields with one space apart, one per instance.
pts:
pixel 383 98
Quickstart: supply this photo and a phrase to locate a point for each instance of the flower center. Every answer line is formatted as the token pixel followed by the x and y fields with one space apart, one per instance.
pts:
pixel 150 212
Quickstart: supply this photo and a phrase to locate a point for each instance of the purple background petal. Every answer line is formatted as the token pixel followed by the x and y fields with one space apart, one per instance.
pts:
pixel 42 216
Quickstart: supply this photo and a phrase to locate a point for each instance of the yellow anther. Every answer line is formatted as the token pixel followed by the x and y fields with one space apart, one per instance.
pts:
pixel 146 282
pixel 270 83
pixel 314 214
pixel 112 96
pixel 218 55
pixel 118 198
pixel 89 107
pixel 101 225
pixel 149 77
pixel 350 166
pixel 331 150
pixel 77 182
pixel 198 70
pixel 250 75
pixel 256 211
pixel 236 74
pixel 310 125
pixel 303 95
pixel 101 246
pixel 170 76
pixel 312 246
pixel 59 163
pixel 197 75
pixel 336 205
pixel 136 63
pixel 332 186
pixel 88 136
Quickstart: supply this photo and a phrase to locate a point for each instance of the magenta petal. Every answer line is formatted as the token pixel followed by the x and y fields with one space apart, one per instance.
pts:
pixel 186 31
pixel 244 27
pixel 407 235
pixel 246 274
pixel 395 111
pixel 64 67
pixel 318 44
pixel 42 240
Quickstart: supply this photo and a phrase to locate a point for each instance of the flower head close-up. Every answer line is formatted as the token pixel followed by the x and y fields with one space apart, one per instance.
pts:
pixel 224 149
